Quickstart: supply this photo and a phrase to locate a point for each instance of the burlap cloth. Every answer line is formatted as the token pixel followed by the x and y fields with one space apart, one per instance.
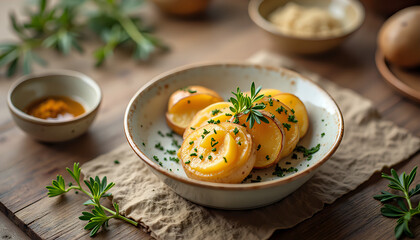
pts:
pixel 369 144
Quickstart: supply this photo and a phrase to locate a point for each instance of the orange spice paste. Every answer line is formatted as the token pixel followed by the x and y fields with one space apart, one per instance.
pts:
pixel 55 108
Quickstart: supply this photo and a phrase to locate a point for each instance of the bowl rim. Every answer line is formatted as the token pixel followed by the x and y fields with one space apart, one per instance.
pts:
pixel 58 72
pixel 263 23
pixel 228 186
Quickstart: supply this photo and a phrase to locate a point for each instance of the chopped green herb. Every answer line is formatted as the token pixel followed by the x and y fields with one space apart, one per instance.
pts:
pixel 287 126
pixel 205 132
pixel 160 164
pixel 322 134
pixel 214 150
pixel 170 134
pixel 202 136
pixel 210 121
pixel 193 154
pixel 307 152
pixel 280 109
pixel 188 101
pixel 188 162
pixel 143 144
pixel 270 101
pixel 195 149
pixel 228 114
pixel 258 147
pixel 236 130
pixel 210 157
pixel 214 130
pixel 175 143
pixel 292 118
pixel 272 116
pixel 244 125
pixel 191 143
pixel 159 146
pixel 192 128
pixel 285 111
pixel 239 143
pixel 267 157
pixel 117 162
pixel 293 111
pixel 201 156
pixel 215 111
pixel 236 121
pixel 174 159
pixel 214 144
pixel 156 158
pixel 161 134
pixel 225 159
pixel 217 122
pixel 322 120
pixel 172 152
pixel 71 184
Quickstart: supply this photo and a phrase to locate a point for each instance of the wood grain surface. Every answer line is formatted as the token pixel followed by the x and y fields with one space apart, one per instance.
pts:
pixel 225 33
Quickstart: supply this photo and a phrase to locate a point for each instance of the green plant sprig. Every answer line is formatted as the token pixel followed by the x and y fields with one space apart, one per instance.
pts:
pixel 246 105
pixel 98 189
pixel 62 25
pixel 400 210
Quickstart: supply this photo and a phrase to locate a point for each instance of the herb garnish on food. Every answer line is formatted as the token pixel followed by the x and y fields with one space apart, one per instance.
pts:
pixel 246 104
pixel 98 189
pixel 404 212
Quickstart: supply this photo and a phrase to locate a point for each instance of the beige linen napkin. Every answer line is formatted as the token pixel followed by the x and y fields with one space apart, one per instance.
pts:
pixel 368 145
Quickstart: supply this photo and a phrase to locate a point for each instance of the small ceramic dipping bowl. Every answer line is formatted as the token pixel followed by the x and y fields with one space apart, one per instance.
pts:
pixel 349 12
pixel 145 128
pixel 33 87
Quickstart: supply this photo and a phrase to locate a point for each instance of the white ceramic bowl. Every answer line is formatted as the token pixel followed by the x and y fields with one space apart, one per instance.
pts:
pixel 54 83
pixel 145 116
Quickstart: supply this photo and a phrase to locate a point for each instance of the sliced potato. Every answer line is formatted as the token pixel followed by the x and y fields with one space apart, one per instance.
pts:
pixel 182 110
pixel 268 139
pixel 216 112
pixel 188 91
pixel 221 153
pixel 268 92
pixel 299 108
pixel 285 116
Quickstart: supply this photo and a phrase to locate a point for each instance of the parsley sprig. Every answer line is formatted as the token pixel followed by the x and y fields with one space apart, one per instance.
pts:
pixel 404 212
pixel 246 104
pixel 98 189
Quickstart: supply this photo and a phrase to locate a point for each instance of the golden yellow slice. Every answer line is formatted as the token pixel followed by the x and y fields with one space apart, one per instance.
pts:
pixel 268 92
pixel 185 103
pixel 188 91
pixel 299 108
pixel 221 153
pixel 215 113
pixel 268 139
pixel 286 117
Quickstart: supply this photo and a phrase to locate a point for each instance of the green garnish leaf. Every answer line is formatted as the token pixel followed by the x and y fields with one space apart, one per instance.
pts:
pixel 403 210
pixel 97 190
pixel 246 105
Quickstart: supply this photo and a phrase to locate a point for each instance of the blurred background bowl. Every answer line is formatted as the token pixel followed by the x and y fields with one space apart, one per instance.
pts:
pixel 351 13
pixel 74 85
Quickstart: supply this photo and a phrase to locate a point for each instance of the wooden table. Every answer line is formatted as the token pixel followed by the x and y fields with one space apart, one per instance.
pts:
pixel 225 33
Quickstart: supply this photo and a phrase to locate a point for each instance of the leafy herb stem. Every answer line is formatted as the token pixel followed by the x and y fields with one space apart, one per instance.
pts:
pixel 243 104
pixel 403 212
pixel 98 189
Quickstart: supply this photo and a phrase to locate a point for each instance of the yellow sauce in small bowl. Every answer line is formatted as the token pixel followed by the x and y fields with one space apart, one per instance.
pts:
pixel 57 108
